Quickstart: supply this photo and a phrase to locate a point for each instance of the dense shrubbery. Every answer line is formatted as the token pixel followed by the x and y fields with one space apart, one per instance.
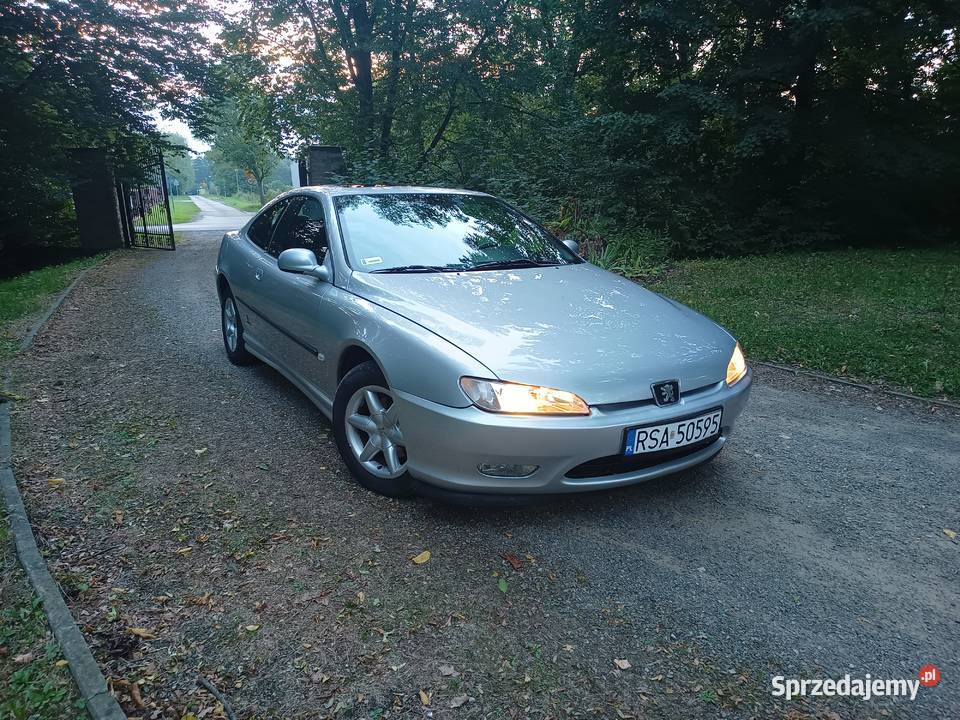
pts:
pixel 719 127
pixel 646 128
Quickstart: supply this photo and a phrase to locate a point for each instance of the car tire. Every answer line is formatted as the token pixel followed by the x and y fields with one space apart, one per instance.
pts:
pixel 232 329
pixel 368 434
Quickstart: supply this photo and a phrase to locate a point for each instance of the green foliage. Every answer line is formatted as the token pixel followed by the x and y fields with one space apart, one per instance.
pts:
pixel 181 177
pixel 637 254
pixel 242 143
pixel 726 127
pixel 38 690
pixel 84 73
pixel 891 316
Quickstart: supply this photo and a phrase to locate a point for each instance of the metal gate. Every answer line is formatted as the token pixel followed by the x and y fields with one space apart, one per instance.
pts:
pixel 145 206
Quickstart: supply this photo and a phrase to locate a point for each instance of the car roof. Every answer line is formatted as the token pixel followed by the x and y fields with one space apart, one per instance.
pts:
pixel 337 190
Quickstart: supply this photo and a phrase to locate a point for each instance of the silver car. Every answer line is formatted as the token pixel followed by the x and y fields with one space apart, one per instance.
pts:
pixel 460 349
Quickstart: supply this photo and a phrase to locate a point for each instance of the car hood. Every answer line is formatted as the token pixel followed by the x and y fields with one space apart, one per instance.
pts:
pixel 571 327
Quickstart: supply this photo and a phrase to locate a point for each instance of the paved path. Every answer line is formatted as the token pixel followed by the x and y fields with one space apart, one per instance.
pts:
pixel 214 215
pixel 813 546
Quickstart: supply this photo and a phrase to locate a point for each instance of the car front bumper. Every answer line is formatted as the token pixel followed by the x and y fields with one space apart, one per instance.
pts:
pixel 445 445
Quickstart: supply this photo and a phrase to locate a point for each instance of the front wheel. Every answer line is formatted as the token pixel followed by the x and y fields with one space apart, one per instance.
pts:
pixel 232 328
pixel 367 431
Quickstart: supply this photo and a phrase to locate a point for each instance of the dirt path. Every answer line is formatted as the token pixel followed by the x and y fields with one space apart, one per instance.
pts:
pixel 206 507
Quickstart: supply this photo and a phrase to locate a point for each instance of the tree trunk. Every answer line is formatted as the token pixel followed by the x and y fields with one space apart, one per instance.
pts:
pixel 398 36
pixel 363 61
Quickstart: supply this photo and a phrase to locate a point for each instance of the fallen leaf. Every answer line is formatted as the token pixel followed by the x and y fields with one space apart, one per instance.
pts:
pixel 184 550
pixel 458 701
pixel 61 663
pixel 424 698
pixel 56 482
pixel 952 534
pixel 135 696
pixel 252 628
pixel 141 633
pixel 622 664
pixel 515 562
pixel 23 659
pixel 447 670
pixel 203 538
pixel 421 558
pixel 502 584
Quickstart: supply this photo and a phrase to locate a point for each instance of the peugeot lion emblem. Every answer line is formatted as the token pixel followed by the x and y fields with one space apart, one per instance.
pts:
pixel 666 392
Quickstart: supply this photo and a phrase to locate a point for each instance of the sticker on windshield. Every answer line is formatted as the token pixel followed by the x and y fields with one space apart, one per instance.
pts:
pixel 375 260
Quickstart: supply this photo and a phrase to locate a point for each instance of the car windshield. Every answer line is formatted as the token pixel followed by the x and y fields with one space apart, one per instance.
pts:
pixel 434 232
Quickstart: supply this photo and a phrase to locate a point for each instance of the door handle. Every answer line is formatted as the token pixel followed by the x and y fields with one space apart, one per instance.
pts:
pixel 258 273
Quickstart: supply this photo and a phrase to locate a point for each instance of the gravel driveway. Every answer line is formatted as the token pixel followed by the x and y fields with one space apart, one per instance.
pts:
pixel 207 526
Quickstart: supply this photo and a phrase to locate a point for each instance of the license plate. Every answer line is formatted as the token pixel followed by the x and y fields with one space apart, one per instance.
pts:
pixel 651 438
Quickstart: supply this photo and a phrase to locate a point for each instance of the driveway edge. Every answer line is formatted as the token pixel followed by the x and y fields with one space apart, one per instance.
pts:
pixel 86 672
pixel 859 385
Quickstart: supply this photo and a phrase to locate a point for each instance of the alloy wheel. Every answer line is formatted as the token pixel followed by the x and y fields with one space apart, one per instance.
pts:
pixel 230 329
pixel 373 432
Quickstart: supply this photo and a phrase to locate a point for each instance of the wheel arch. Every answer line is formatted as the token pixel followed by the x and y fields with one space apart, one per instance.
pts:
pixel 222 286
pixel 354 355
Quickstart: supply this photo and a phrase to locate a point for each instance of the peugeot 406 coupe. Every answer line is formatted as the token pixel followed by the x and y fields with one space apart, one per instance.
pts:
pixel 459 348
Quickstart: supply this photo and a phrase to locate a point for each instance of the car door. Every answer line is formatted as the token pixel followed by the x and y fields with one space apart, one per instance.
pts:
pixel 245 280
pixel 295 301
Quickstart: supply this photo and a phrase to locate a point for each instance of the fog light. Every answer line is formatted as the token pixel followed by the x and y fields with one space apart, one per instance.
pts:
pixel 507 471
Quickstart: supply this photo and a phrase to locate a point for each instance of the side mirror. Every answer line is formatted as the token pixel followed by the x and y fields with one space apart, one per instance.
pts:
pixel 573 245
pixel 302 262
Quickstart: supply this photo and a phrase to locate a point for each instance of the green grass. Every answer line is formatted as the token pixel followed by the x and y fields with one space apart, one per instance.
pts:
pixel 182 209
pixel 886 316
pixel 244 201
pixel 29 293
pixel 36 687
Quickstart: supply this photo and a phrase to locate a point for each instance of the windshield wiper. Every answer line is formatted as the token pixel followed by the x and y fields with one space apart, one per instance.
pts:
pixel 512 264
pixel 416 269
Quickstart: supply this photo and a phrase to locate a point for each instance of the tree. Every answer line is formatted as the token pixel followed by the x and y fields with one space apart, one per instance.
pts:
pixel 179 166
pixel 85 73
pixel 241 138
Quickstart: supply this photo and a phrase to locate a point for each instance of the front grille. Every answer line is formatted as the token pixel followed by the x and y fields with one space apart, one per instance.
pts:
pixel 619 464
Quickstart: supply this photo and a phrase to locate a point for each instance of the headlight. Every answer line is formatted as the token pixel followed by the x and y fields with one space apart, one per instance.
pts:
pixel 737 367
pixel 517 399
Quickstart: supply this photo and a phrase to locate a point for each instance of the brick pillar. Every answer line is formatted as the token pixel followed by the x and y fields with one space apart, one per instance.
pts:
pixel 324 162
pixel 95 199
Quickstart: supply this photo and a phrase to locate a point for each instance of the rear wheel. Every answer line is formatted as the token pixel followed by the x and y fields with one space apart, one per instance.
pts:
pixel 232 328
pixel 368 434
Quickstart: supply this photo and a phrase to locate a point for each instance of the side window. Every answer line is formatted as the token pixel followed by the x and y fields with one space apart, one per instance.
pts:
pixel 262 227
pixel 302 226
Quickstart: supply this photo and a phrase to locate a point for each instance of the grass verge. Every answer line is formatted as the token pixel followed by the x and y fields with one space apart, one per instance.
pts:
pixel 35 682
pixel 182 209
pixel 243 201
pixel 26 294
pixel 885 316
